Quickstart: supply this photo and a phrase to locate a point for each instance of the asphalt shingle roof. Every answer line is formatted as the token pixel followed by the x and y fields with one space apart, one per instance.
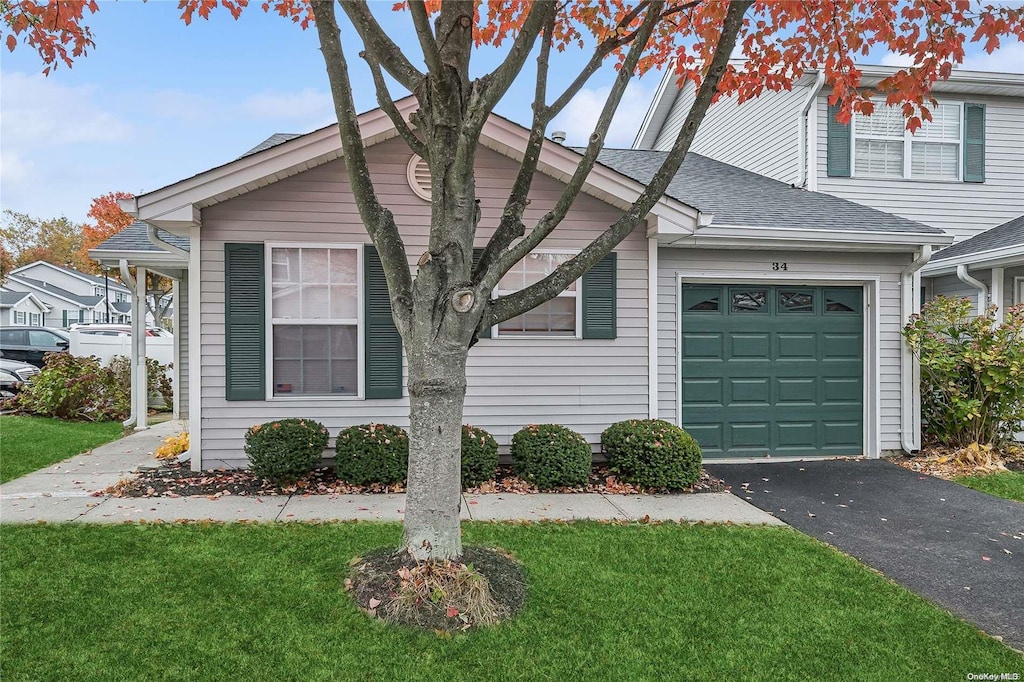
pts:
pixel 11 297
pixel 1010 233
pixel 87 301
pixel 122 307
pixel 272 141
pixel 134 238
pixel 739 197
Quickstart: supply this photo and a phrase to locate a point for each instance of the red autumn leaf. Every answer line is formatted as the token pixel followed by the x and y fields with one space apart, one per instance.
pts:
pixel 452 612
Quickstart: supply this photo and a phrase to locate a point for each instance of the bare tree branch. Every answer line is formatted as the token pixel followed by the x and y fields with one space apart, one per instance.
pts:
pixel 431 55
pixel 575 184
pixel 387 103
pixel 379 221
pixel 526 299
pixel 380 44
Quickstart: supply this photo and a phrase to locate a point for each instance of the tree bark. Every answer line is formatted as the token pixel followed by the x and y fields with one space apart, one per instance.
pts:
pixel 437 389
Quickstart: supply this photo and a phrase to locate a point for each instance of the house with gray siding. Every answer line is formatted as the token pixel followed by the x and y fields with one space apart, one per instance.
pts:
pixel 72 297
pixel 764 319
pixel 962 172
pixel 20 308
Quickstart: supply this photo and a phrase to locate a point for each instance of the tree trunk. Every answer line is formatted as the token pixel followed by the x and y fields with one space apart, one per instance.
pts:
pixel 437 390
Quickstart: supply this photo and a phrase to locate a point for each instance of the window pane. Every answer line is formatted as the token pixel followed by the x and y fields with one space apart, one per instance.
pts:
pixel 945 124
pixel 748 301
pixel 885 121
pixel 314 266
pixel 287 297
pixel 344 302
pixel 315 301
pixel 284 265
pixel 554 318
pixel 938 160
pixel 879 158
pixel 796 301
pixel 343 266
pixel 316 360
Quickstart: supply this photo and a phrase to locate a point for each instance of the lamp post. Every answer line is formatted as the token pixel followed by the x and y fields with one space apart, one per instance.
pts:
pixel 106 291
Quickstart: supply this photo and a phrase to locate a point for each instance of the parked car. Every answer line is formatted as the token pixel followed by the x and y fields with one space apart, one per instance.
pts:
pixel 9 384
pixel 114 330
pixel 30 344
pixel 23 371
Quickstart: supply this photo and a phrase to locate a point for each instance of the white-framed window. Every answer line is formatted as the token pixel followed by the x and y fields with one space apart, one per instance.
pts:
pixel 561 317
pixel 36 319
pixel 884 148
pixel 19 317
pixel 314 339
pixel 97 291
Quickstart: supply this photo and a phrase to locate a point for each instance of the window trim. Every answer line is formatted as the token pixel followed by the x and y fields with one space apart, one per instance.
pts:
pixel 578 294
pixel 268 389
pixel 35 319
pixel 908 139
pixel 20 318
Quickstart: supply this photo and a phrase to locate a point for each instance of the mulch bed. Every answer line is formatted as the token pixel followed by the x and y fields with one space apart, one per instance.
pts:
pixel 178 480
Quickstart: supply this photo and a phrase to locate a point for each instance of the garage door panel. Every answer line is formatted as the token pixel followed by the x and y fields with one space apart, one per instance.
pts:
pixel 774 369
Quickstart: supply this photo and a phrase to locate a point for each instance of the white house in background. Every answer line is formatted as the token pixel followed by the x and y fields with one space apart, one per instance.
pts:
pixel 72 296
pixel 21 308
pixel 764 319
pixel 962 172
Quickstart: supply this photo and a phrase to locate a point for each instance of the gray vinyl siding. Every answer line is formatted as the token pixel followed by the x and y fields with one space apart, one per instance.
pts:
pixel 951 286
pixel 757 265
pixel 54 318
pixel 761 135
pixel 181 332
pixel 586 384
pixel 961 208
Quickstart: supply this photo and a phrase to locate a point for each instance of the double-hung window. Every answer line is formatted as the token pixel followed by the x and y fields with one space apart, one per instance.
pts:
pixel 19 317
pixel 36 318
pixel 884 148
pixel 559 317
pixel 315 310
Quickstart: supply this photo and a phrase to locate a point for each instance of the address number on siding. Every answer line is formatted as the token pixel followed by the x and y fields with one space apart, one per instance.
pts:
pixel 780 266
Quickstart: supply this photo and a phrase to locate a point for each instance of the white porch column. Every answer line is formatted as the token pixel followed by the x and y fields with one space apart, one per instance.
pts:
pixel 997 293
pixel 176 317
pixel 140 391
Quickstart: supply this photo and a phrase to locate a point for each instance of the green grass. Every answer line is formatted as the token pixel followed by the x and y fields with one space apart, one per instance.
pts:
pixel 1008 484
pixel 265 602
pixel 31 443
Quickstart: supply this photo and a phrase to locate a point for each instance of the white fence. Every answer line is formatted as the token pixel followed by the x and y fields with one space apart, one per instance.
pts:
pixel 159 348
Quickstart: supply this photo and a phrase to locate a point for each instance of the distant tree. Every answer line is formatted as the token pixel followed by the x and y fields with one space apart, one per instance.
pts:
pixel 109 220
pixel 55 240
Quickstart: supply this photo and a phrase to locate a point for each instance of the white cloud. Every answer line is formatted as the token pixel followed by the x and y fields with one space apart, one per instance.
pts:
pixel 1008 58
pixel 14 168
pixel 41 112
pixel 304 105
pixel 896 59
pixel 580 117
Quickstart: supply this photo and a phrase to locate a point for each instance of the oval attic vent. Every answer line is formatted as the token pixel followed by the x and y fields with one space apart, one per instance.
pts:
pixel 419 177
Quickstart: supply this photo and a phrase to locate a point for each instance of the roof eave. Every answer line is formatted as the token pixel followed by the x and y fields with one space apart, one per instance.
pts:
pixel 992 258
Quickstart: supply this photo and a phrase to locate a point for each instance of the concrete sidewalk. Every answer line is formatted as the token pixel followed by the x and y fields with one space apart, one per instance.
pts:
pixel 64 492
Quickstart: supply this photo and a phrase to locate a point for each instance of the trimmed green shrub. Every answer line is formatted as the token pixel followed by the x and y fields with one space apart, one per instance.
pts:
pixel 972 371
pixel 551 456
pixel 285 450
pixel 73 387
pixel 479 456
pixel 652 453
pixel 372 453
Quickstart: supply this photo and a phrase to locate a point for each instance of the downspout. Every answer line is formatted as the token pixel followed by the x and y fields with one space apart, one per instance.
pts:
pixel 812 97
pixel 155 240
pixel 910 385
pixel 129 281
pixel 961 274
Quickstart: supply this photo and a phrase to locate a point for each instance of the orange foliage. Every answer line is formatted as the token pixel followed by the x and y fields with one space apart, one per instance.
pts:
pixel 110 220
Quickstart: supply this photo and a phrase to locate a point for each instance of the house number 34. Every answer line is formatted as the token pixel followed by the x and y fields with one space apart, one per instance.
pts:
pixel 780 266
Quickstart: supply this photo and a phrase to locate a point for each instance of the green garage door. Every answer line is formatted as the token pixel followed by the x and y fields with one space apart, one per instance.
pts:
pixel 773 369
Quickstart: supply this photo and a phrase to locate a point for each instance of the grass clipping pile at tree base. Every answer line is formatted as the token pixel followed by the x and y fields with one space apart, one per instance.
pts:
pixel 485 588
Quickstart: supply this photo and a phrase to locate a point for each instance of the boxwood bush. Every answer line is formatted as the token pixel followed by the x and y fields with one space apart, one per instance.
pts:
pixel 551 456
pixel 652 453
pixel 372 453
pixel 479 456
pixel 285 450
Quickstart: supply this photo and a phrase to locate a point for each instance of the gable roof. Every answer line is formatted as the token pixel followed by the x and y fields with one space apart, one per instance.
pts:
pixel 9 298
pixel 135 238
pixel 123 307
pixel 1009 234
pixel 737 197
pixel 46 287
pixel 272 141
pixel 84 276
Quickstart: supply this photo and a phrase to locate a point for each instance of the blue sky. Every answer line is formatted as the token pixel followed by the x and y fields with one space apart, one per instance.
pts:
pixel 157 101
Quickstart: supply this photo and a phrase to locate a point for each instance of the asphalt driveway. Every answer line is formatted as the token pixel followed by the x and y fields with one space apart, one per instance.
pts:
pixel 955 546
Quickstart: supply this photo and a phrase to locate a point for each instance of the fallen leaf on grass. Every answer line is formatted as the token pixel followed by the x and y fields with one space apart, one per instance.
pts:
pixel 374 602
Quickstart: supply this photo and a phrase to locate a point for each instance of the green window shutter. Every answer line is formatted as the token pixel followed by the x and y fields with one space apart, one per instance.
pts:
pixel 838 140
pixel 382 343
pixel 65 319
pixel 476 259
pixel 244 322
pixel 599 299
pixel 974 142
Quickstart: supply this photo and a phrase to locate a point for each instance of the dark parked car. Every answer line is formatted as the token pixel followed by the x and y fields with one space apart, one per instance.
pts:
pixel 30 344
pixel 22 371
pixel 9 384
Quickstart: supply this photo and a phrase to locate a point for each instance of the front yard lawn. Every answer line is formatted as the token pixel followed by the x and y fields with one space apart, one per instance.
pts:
pixel 31 443
pixel 1008 484
pixel 606 602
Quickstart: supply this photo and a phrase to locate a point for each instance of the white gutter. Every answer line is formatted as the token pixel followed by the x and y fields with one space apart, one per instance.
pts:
pixel 961 274
pixel 910 369
pixel 155 240
pixel 126 276
pixel 652 327
pixel 812 97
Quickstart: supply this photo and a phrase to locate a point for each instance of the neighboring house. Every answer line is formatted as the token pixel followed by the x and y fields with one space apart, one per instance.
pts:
pixel 988 268
pixel 73 296
pixel 21 308
pixel 963 172
pixel 764 319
